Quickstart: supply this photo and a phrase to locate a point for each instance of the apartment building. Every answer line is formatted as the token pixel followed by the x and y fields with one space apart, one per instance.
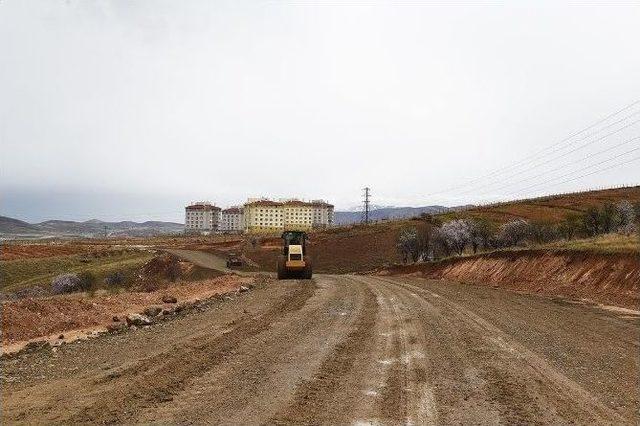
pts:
pixel 201 217
pixel 298 215
pixel 322 214
pixel 263 216
pixel 275 216
pixel 232 220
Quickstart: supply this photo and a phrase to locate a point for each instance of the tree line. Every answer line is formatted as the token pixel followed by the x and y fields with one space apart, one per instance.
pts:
pixel 434 239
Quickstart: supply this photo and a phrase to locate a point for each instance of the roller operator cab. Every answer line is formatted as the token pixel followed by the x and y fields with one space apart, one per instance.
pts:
pixel 294 261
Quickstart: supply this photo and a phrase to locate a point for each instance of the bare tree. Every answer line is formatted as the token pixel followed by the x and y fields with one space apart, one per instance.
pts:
pixel 480 233
pixel 626 217
pixel 440 244
pixel 425 242
pixel 513 232
pixel 408 244
pixel 591 221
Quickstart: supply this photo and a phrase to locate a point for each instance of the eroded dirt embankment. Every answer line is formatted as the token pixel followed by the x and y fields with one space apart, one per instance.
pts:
pixel 612 279
pixel 27 319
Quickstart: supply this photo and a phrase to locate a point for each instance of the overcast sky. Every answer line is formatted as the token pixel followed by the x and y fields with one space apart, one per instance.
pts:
pixel 130 109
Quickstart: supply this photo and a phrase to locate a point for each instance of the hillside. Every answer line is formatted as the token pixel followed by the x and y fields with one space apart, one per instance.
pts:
pixel 14 228
pixel 361 248
pixel 9 225
pixel 551 208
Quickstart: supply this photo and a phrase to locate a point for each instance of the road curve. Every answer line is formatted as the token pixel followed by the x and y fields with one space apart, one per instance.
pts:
pixel 345 349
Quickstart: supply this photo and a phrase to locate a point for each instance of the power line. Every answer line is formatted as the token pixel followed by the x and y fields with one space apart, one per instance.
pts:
pixel 535 166
pixel 579 170
pixel 536 154
pixel 567 164
pixel 592 173
pixel 598 131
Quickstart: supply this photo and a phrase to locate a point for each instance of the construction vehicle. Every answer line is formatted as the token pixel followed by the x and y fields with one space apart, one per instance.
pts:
pixel 234 261
pixel 294 261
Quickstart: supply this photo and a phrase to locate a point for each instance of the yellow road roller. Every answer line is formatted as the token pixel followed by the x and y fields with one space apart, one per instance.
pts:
pixel 294 261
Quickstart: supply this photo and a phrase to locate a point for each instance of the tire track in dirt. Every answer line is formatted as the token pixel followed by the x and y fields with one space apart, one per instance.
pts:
pixel 262 376
pixel 407 395
pixel 520 380
pixel 393 402
pixel 156 379
pixel 324 399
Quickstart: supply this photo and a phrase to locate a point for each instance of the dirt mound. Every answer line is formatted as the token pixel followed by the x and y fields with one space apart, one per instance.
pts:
pixel 612 279
pixel 168 268
pixel 164 266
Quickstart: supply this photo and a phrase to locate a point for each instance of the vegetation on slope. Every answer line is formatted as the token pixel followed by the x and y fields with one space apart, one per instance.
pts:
pixel 549 209
pixel 24 273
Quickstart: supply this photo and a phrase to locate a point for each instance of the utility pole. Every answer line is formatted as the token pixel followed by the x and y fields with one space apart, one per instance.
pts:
pixel 105 231
pixel 366 204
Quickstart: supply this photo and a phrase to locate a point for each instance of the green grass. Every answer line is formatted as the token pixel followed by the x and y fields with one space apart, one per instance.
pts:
pixel 23 273
pixel 610 243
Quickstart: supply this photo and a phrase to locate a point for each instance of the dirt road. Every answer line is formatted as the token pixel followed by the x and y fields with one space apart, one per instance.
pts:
pixel 346 350
pixel 201 258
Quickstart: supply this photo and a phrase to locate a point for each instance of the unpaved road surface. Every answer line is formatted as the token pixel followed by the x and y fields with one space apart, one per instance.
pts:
pixel 346 350
pixel 201 258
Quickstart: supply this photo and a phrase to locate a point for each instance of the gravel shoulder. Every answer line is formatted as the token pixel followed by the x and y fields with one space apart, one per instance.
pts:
pixel 344 349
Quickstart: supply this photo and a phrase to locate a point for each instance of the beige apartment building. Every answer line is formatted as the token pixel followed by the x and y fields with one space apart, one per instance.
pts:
pixel 263 216
pixel 267 216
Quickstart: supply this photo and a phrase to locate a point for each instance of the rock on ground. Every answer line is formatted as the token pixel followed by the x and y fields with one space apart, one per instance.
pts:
pixel 152 311
pixel 138 320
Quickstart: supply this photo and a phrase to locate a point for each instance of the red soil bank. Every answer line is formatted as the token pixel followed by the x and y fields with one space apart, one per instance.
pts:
pixel 612 279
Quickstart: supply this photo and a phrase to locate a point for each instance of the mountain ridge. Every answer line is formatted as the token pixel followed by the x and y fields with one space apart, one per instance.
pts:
pixel 11 227
pixel 387 213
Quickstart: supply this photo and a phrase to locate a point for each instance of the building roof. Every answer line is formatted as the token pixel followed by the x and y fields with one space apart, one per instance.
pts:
pixel 321 204
pixel 296 203
pixel 267 203
pixel 204 207
pixel 289 203
pixel 232 210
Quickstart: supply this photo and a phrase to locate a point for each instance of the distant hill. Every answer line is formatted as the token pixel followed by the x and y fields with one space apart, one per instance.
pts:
pixel 10 227
pixel 387 213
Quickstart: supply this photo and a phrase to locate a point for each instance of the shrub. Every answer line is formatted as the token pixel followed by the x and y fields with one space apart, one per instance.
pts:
pixel 430 219
pixel 542 232
pixel 608 218
pixel 513 232
pixel 481 232
pixel 67 283
pixel 87 280
pixel 570 227
pixel 114 279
